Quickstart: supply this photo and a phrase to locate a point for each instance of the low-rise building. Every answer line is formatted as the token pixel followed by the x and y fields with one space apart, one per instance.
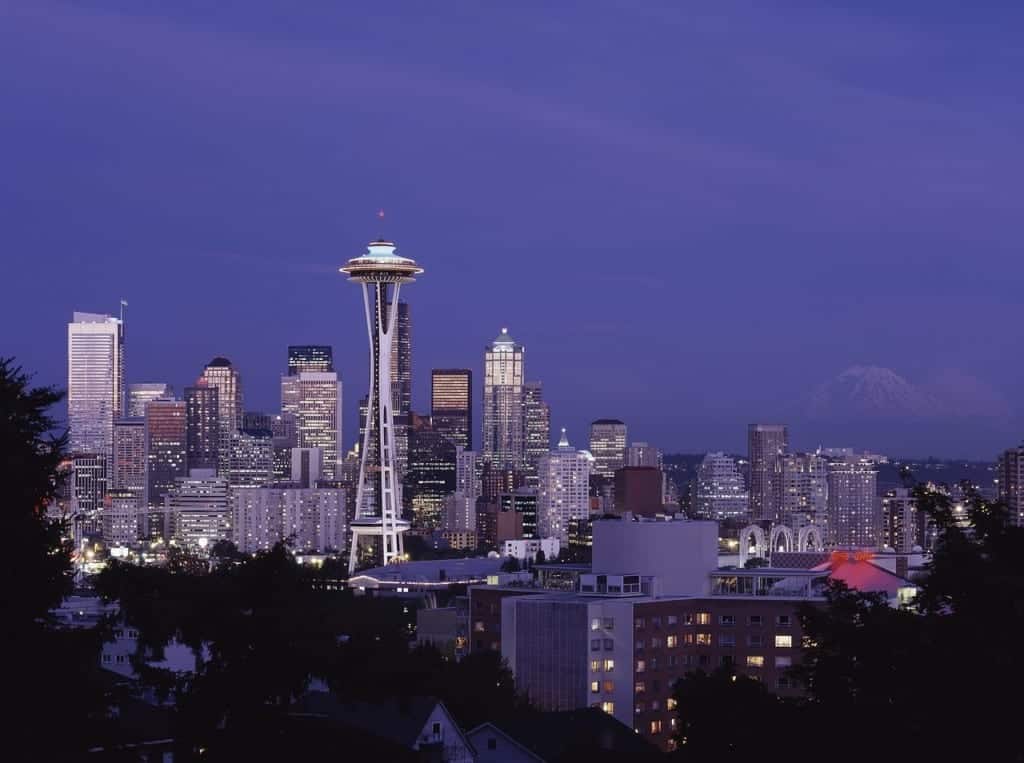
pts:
pixel 528 548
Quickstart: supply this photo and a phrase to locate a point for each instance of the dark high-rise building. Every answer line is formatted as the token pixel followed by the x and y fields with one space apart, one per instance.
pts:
pixel 430 478
pixel 129 472
pixel 401 386
pixel 766 443
pixel 854 509
pixel 166 458
pixel 310 357
pixel 536 430
pixel 221 374
pixel 524 503
pixel 638 490
pixel 257 420
pixel 285 437
pixel 202 422
pixel 451 404
pixel 251 463
pixel 608 446
pixel 1010 476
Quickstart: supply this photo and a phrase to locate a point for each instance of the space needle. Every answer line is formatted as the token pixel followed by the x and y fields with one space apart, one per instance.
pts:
pixel 379 492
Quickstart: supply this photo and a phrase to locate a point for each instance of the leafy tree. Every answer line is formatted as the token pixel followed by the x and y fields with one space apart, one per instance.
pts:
pixel 541 557
pixel 511 564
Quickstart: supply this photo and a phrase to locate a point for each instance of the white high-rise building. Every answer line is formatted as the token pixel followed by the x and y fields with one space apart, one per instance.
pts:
pixel 608 446
pixel 314 398
pixel 721 492
pixel 504 429
pixel 804 486
pixel 854 509
pixel 643 454
pixel 311 519
pixel 564 490
pixel 198 509
pixel 460 506
pixel 141 394
pixel 95 382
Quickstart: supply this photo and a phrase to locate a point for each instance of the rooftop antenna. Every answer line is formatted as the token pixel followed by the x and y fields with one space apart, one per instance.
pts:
pixel 380 216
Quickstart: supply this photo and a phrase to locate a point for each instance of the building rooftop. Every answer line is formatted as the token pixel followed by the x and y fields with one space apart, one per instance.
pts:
pixel 435 572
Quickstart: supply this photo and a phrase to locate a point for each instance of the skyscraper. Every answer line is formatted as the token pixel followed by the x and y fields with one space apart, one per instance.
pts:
pixel 564 490
pixel 721 492
pixel 251 462
pixel 608 446
pixel 766 442
pixel 129 472
pixel 166 458
pixel 1010 487
pixel 314 399
pixel 804 489
pixel 536 430
pixel 310 357
pixel 380 272
pixel 140 394
pixel 95 382
pixel 401 386
pixel 503 411
pixel 431 476
pixel 202 421
pixel 221 374
pixel 901 524
pixel 451 404
pixel 854 510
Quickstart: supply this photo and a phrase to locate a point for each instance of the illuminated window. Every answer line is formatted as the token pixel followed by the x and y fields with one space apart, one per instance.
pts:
pixel 478 626
pixel 639 687
pixel 672 723
pixel 703 618
pixel 783 662
pixel 755 661
pixel 704 639
pixel 641 666
pixel 609 686
pixel 595 666
pixel 639 708
pixel 608 707
pixel 609 666
pixel 783 641
pixel 595 686
pixel 671 641
pixel 595 624
pixel 688 618
pixel 655 727
pixel 671 704
pixel 687 638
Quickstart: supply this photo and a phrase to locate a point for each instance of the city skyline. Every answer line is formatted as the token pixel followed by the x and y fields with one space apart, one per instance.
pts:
pixel 862 235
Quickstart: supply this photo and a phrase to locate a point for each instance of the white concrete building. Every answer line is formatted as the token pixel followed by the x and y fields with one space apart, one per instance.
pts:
pixel 198 510
pixel 313 519
pixel 527 548
pixel 564 494
pixel 721 491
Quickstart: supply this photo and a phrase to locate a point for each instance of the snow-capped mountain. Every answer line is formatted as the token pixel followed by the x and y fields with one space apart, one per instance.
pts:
pixel 872 392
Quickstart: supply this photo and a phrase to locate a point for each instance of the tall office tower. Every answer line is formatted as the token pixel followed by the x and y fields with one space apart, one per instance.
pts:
pixel 503 411
pixel 129 472
pixel 451 404
pixel 95 382
pixel 202 422
pixel 608 446
pixel 1010 487
pixel 460 506
pixel 536 430
pixel 282 427
pixel 854 511
pixel 311 519
pixel 310 357
pixel 766 442
pixel 720 491
pixel 431 476
pixel 251 463
pixel 804 489
pixel 307 466
pixel 221 374
pixel 380 272
pixel 643 454
pixel 139 396
pixel 166 460
pixel 900 521
pixel 314 399
pixel 90 477
pixel 198 509
pixel 564 492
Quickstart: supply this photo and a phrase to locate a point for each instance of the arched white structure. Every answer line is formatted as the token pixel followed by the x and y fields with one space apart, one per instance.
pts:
pixel 783 533
pixel 755 533
pixel 810 538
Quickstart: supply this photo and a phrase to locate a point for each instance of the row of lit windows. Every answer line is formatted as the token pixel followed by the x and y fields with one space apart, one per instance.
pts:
pixel 597 666
pixel 782 640
pixel 704 618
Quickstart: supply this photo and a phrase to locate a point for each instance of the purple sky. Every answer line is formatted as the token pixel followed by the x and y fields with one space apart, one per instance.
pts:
pixel 692 214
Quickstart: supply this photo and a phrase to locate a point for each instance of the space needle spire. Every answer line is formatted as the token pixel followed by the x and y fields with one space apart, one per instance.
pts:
pixel 381 272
